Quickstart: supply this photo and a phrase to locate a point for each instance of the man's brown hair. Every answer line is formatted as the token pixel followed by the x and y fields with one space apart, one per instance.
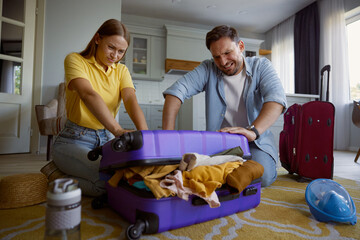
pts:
pixel 221 31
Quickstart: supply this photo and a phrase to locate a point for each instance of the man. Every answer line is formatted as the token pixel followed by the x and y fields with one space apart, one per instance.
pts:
pixel 243 96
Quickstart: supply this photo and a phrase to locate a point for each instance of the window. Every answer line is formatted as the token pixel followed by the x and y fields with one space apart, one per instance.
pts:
pixel 11 46
pixel 353 32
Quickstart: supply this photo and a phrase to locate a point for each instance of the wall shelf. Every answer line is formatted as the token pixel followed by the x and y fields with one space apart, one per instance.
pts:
pixel 264 52
pixel 176 64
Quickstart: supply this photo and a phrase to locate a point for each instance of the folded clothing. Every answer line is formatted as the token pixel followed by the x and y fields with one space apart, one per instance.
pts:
pixel 191 160
pixel 174 182
pixel 237 151
pixel 206 179
pixel 242 176
pixel 201 181
pixel 152 175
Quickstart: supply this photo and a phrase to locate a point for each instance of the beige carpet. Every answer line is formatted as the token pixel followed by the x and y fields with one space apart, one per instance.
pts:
pixel 282 214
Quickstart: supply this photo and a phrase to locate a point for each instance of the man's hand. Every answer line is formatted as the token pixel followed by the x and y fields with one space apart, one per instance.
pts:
pixel 250 135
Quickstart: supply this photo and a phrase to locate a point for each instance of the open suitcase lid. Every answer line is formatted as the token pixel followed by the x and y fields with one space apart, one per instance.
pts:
pixel 164 147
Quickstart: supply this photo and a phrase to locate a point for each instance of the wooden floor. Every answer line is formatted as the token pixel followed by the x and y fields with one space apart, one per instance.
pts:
pixel 344 165
pixel 21 163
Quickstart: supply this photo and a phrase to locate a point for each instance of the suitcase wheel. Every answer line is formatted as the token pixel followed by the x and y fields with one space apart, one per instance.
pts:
pixel 93 155
pixel 99 202
pixel 128 141
pixel 134 231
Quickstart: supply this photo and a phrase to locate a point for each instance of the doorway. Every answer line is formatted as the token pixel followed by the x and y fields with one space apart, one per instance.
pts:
pixel 17 31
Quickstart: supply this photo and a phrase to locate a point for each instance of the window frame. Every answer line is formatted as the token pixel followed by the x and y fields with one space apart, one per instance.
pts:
pixel 351 17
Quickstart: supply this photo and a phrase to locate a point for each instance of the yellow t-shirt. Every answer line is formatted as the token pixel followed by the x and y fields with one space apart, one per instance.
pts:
pixel 107 84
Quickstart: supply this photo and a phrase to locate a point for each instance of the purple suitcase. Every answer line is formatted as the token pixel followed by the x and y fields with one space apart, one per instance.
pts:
pixel 160 147
pixel 149 215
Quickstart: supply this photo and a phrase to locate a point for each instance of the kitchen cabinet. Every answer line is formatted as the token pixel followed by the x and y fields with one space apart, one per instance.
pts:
pixel 192 113
pixel 145 57
pixel 152 113
pixel 157 58
pixel 141 53
pixel 124 119
pixel 137 56
pixel 185 43
pixel 154 116
pixel 252 46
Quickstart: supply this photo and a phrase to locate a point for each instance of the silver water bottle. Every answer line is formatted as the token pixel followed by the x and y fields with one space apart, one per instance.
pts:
pixel 63 210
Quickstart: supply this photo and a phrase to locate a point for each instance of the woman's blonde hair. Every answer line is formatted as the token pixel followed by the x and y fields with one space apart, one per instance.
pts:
pixel 108 28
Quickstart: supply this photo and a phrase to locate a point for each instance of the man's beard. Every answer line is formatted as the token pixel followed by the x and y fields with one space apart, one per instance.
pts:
pixel 236 69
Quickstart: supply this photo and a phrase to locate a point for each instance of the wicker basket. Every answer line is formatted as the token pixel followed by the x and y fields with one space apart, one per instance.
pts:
pixel 22 190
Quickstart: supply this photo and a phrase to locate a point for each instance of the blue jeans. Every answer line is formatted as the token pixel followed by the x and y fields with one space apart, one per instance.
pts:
pixel 267 161
pixel 70 151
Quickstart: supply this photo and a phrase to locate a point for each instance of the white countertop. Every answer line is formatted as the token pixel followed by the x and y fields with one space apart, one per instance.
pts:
pixel 301 95
pixel 151 102
pixel 298 95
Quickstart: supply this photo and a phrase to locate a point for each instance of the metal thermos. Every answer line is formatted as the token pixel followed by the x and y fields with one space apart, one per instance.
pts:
pixel 63 210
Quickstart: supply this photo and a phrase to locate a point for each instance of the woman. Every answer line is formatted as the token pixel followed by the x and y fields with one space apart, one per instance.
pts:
pixel 95 84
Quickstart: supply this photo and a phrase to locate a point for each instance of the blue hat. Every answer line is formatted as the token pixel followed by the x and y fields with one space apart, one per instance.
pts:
pixel 329 201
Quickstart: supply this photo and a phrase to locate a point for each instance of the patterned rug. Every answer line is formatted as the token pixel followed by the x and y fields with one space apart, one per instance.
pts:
pixel 282 214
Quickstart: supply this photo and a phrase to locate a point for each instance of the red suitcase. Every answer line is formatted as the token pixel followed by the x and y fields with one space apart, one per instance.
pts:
pixel 307 140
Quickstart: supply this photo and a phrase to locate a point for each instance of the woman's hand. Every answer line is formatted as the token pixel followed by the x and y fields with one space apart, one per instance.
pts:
pixel 120 132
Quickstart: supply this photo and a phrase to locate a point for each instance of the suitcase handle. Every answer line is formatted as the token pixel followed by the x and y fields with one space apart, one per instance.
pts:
pixel 197 201
pixel 326 68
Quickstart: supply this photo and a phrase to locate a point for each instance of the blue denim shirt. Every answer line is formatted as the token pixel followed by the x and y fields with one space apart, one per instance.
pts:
pixel 262 85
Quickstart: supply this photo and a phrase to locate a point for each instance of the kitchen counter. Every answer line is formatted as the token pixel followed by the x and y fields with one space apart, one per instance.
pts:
pixel 151 103
pixel 300 95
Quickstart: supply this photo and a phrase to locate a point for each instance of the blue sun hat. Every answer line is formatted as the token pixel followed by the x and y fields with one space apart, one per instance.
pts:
pixel 329 201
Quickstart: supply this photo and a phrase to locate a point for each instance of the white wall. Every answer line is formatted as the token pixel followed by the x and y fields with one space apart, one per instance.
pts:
pixel 69 26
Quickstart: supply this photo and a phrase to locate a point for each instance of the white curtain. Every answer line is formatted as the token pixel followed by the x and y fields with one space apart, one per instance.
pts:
pixel 333 51
pixel 282 53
